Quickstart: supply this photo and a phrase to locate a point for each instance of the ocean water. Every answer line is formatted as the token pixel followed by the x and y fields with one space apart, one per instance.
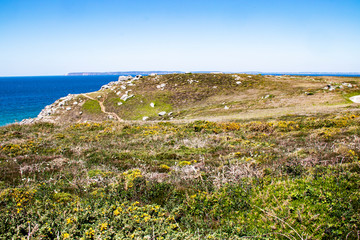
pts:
pixel 25 97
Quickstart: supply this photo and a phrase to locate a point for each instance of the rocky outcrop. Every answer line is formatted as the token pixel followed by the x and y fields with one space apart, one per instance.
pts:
pixel 53 112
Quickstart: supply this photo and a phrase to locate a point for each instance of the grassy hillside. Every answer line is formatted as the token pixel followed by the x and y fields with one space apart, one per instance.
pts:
pixel 259 176
pixel 210 97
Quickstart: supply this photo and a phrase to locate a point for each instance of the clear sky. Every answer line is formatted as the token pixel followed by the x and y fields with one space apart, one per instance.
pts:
pixel 51 37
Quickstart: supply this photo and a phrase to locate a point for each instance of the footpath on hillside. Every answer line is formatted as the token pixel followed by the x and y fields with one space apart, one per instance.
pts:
pixel 103 109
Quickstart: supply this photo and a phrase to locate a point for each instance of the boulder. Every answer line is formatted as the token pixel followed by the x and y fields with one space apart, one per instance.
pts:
pixel 161 86
pixel 162 113
pixel 349 85
pixel 126 97
pixel 124 78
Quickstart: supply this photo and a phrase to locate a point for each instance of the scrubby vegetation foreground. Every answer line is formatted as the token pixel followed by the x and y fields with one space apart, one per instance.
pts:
pixel 295 177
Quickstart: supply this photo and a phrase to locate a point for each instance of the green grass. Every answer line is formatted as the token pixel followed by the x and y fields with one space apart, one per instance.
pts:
pixel 91 106
pixel 138 106
pixel 347 95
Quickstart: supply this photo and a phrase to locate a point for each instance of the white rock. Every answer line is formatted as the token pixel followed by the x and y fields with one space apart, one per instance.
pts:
pixel 249 76
pixel 161 86
pixel 349 85
pixel 110 117
pixel 355 99
pixel 75 103
pixel 214 86
pixel 123 87
pixel 152 104
pixel 105 87
pixel 119 103
pixel 126 97
pixel 124 78
pixel 237 78
pixel 170 113
pixel 68 108
pixel 137 77
pixel 145 118
pixel 238 82
pixel 162 113
pixel 226 107
pixel 80 113
pixel 99 96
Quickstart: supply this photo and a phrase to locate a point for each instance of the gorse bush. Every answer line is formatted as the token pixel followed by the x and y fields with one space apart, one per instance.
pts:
pixel 293 178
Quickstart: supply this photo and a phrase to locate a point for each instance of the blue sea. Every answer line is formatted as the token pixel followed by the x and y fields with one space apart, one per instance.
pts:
pixel 25 97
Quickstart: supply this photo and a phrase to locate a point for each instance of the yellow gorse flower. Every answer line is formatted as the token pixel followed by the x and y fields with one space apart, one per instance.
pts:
pixel 103 226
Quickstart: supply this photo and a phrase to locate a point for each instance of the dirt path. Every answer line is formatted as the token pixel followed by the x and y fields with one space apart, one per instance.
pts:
pixel 103 109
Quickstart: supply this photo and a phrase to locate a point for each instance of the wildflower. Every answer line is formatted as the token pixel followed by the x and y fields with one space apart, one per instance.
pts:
pixel 103 226
pixel 90 233
pixel 69 221
pixel 116 212
pixel 66 236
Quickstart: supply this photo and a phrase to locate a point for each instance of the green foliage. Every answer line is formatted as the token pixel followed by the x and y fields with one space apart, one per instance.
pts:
pixel 91 106
pixel 291 178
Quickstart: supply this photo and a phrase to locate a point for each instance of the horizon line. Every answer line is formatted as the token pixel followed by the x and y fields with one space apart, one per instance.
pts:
pixel 92 73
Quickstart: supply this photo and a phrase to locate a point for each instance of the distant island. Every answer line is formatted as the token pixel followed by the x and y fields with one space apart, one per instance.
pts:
pixel 345 74
pixel 122 73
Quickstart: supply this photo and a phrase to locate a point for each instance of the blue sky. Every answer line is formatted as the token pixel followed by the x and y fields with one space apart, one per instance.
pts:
pixel 52 37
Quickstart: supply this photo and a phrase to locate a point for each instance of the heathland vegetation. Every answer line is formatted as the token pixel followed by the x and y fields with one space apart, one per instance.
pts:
pixel 243 157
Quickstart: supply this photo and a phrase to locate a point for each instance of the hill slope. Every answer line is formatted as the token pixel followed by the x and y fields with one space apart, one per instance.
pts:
pixel 206 96
pixel 283 177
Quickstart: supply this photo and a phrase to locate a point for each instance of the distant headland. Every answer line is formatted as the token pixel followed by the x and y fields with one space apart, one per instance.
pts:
pixel 122 73
pixel 144 73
